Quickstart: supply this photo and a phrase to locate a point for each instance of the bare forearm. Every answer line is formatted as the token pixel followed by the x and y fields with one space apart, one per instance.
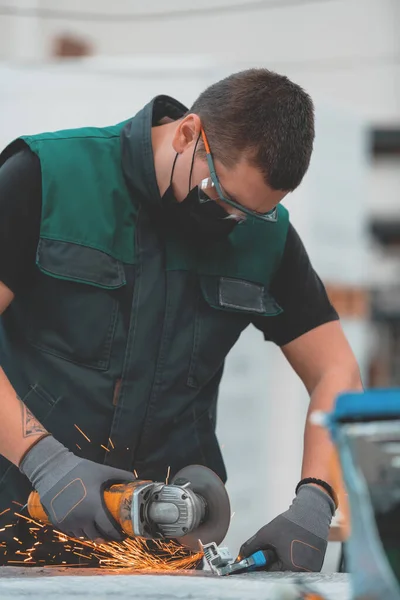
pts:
pixel 318 447
pixel 19 429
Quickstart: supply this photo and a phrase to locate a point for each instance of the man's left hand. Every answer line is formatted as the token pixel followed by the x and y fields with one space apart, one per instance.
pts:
pixel 298 536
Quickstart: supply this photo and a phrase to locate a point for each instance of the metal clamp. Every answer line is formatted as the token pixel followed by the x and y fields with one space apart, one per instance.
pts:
pixel 221 561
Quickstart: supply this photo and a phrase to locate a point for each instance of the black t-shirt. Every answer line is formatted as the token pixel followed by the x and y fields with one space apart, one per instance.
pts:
pixel 295 286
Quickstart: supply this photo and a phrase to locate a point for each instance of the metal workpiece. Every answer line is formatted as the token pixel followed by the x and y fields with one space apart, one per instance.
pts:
pixel 221 562
pixel 216 558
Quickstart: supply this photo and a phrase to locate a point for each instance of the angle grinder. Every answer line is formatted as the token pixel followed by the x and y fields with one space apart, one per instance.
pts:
pixel 195 505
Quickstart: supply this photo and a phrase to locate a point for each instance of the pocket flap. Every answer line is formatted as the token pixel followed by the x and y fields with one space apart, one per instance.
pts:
pixel 238 295
pixel 74 262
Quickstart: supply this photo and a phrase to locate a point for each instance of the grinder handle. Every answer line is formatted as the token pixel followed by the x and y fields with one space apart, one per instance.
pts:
pixel 113 498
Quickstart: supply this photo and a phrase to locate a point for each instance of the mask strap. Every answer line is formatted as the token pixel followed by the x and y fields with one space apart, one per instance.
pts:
pixel 173 168
pixel 193 157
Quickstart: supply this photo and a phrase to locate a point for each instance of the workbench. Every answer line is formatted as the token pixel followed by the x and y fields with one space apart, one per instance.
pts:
pixel 58 583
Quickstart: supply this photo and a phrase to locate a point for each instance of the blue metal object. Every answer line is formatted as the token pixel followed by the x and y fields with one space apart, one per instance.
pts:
pixel 364 405
pixel 366 430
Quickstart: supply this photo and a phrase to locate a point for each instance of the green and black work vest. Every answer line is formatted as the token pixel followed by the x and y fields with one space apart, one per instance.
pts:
pixel 123 333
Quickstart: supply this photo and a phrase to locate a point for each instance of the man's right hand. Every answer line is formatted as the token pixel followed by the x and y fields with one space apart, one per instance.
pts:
pixel 71 489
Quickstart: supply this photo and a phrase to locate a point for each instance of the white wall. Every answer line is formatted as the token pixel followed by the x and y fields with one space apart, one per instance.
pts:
pixel 348 50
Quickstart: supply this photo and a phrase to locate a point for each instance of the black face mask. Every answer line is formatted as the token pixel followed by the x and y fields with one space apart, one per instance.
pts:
pixel 194 220
pixel 197 221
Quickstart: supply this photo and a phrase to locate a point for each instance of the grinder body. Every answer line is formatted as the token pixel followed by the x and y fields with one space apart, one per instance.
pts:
pixel 185 510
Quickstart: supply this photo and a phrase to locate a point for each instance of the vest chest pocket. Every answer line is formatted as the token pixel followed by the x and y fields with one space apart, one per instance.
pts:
pixel 226 306
pixel 73 306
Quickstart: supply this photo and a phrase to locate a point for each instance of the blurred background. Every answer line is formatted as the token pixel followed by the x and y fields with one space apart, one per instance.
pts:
pixel 69 63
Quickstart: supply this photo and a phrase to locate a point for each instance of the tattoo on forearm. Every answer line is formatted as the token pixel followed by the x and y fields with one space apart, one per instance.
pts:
pixel 30 425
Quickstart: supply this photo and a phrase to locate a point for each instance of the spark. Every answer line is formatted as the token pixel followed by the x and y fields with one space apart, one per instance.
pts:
pixel 104 448
pixel 17 503
pixel 233 514
pixel 17 540
pixel 83 555
pixel 80 431
pixel 78 446
pixel 135 474
pixel 168 473
pixel 111 443
pixel 29 520
pixel 4 511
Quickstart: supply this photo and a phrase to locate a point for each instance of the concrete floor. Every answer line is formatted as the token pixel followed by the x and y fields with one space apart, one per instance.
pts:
pixel 77 584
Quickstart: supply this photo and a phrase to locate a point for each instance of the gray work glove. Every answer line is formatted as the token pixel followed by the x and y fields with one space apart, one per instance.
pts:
pixel 71 490
pixel 298 536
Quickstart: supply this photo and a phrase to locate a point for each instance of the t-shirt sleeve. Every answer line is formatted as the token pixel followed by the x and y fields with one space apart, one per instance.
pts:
pixel 301 294
pixel 20 211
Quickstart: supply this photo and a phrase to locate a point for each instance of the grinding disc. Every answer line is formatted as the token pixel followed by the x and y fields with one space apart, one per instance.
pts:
pixel 209 486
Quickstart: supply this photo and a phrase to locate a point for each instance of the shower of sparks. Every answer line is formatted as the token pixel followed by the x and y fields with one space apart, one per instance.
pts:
pixel 132 553
pixel 135 554
pixel 80 431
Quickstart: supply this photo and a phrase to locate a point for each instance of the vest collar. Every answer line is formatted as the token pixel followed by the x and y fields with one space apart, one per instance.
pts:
pixel 137 150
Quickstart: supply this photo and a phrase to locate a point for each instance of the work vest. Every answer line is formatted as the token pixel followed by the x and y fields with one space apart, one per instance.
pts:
pixel 118 345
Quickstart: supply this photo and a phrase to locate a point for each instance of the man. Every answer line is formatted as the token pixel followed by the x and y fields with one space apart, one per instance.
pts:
pixel 131 258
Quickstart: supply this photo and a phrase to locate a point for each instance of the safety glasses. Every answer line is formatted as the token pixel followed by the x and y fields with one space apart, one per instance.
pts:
pixel 210 189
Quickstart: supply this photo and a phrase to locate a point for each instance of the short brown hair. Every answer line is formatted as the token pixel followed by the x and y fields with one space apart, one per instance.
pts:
pixel 264 115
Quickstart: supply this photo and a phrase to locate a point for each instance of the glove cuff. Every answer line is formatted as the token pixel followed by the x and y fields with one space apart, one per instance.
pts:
pixel 312 509
pixel 30 448
pixel 46 462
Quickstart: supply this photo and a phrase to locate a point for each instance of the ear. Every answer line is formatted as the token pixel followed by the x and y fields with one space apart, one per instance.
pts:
pixel 186 133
